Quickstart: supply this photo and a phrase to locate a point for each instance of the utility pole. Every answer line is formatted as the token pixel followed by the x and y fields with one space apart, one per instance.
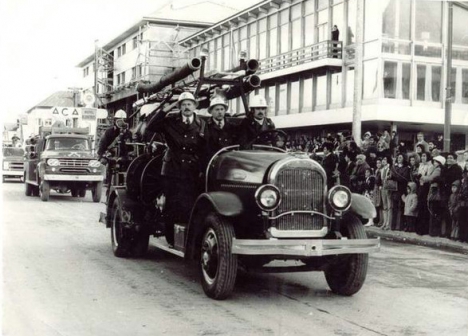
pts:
pixel 358 53
pixel 448 88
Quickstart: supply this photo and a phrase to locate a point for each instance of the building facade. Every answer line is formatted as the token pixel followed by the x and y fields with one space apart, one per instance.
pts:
pixel 309 80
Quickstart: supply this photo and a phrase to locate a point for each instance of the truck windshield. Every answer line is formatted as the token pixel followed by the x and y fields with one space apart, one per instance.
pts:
pixel 67 144
pixel 12 151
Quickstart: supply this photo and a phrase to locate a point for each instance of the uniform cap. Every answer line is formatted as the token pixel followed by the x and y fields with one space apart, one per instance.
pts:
pixel 258 101
pixel 217 101
pixel 186 96
pixel 120 114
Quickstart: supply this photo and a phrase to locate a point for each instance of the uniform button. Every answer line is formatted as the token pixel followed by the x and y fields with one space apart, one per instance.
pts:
pixel 185 136
pixel 183 148
pixel 183 160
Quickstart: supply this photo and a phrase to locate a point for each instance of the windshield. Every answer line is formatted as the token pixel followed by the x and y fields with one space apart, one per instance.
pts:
pixel 67 144
pixel 12 151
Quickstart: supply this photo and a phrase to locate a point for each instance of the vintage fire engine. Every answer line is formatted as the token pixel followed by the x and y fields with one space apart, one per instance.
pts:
pixel 61 159
pixel 259 205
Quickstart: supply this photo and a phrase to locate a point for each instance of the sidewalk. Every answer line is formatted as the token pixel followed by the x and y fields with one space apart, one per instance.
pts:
pixel 413 238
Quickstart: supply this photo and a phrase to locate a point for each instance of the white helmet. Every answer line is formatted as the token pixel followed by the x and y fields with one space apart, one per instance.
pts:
pixel 120 114
pixel 258 101
pixel 186 96
pixel 217 101
pixel 440 159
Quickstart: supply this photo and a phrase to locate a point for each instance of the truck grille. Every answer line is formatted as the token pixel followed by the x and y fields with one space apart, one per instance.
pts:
pixel 74 163
pixel 16 166
pixel 301 189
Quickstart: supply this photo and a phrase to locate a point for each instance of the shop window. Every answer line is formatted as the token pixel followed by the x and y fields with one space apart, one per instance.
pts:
pixel 436 73
pixel 321 90
pixel 370 79
pixel 307 95
pixel 283 99
pixel 405 80
pixel 464 86
pixel 295 97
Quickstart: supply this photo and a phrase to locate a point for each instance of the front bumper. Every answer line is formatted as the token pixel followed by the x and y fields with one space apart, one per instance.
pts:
pixel 17 173
pixel 57 177
pixel 304 247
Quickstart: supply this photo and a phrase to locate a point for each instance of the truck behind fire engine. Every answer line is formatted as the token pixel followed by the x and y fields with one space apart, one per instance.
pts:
pixel 62 159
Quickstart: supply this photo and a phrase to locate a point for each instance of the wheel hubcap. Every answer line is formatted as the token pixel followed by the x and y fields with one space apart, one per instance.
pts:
pixel 209 256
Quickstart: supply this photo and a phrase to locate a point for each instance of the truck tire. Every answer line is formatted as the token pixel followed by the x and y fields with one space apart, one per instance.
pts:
pixel 97 192
pixel 125 242
pixel 44 191
pixel 82 192
pixel 28 189
pixel 74 192
pixel 347 273
pixel 218 266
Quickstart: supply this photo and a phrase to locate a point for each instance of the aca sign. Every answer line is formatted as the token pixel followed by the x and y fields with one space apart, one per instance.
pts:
pixel 65 111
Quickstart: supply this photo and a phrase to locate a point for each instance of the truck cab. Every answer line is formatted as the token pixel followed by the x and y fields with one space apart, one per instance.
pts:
pixel 61 159
pixel 12 162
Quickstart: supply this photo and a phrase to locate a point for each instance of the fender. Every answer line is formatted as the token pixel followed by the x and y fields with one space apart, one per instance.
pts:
pixel 125 202
pixel 362 206
pixel 221 202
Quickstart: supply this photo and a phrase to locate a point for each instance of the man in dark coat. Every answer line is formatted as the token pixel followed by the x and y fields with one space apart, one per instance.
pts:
pixel 219 132
pixel 112 133
pixel 255 123
pixel 453 172
pixel 182 162
pixel 329 163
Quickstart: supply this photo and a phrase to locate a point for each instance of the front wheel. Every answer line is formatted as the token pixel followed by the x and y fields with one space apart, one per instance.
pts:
pixel 126 242
pixel 97 192
pixel 82 192
pixel 347 273
pixel 218 266
pixel 28 189
pixel 44 191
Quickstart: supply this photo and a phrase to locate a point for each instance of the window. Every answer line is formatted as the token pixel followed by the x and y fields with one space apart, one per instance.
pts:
pixel 272 99
pixel 134 72
pixel 307 95
pixel 336 79
pixel 435 82
pixel 421 82
pixel 273 45
pixel 309 30
pixel 135 42
pixel 295 97
pixel 428 82
pixel 86 71
pixel 321 90
pixel 464 86
pixel 390 79
pixel 351 21
pixel 370 79
pixel 460 36
pixel 283 99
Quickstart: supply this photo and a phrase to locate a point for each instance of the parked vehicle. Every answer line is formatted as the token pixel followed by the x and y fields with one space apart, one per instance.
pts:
pixel 258 205
pixel 61 159
pixel 12 163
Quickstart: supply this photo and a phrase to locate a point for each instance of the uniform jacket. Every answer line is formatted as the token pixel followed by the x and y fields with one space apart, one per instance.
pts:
pixel 249 129
pixel 183 158
pixel 109 136
pixel 329 164
pixel 217 138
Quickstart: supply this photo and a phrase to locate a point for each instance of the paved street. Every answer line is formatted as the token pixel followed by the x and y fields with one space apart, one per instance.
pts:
pixel 61 278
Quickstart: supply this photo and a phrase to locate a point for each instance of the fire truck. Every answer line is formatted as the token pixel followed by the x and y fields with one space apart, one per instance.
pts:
pixel 61 159
pixel 259 206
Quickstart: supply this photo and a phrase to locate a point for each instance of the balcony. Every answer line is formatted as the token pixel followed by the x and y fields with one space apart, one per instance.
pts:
pixel 317 57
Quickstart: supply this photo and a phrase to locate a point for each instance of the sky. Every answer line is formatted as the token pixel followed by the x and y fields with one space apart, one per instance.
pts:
pixel 42 41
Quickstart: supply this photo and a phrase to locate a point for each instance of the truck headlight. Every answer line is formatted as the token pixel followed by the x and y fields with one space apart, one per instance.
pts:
pixel 6 165
pixel 268 197
pixel 94 163
pixel 339 198
pixel 53 162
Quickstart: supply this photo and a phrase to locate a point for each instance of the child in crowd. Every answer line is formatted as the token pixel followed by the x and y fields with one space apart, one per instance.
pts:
pixel 411 207
pixel 454 207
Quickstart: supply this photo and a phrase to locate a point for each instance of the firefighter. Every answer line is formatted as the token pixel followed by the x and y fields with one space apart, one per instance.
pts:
pixel 256 121
pixel 111 133
pixel 219 132
pixel 182 164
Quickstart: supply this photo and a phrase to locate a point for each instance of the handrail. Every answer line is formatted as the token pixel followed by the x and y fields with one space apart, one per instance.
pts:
pixel 321 50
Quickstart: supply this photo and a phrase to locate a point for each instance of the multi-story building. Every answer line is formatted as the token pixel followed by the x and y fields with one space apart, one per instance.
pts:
pixel 309 80
pixel 145 52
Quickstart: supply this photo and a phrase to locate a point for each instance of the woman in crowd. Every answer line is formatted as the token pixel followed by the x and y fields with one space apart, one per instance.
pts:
pixel 434 198
pixel 399 172
pixel 386 194
pixel 377 191
pixel 425 169
pixel 414 167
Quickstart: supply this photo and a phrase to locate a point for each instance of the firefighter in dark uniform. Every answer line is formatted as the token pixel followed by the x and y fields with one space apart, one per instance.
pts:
pixel 329 163
pixel 255 122
pixel 219 131
pixel 182 164
pixel 113 132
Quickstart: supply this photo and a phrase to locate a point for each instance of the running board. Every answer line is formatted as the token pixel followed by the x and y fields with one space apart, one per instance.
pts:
pixel 162 244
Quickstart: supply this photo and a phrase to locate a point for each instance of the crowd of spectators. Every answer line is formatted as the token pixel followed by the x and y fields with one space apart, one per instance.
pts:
pixel 415 188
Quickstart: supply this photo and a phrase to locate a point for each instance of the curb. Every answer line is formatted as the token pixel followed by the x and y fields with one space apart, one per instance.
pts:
pixel 414 239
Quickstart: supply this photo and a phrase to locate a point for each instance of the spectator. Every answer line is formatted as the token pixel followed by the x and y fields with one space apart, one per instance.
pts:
pixel 398 172
pixel 366 141
pixel 335 34
pixel 425 169
pixel 357 178
pixel 386 138
pixel 414 168
pixel 464 162
pixel 439 143
pixel 454 208
pixel 432 146
pixel 463 210
pixel 434 197
pixel 382 149
pixel 329 163
pixel 347 169
pixel 377 191
pixel 369 185
pixel 420 140
pixel 371 157
pixel 386 195
pixel 411 207
pixel 419 149
pixel 394 143
pixel 453 172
